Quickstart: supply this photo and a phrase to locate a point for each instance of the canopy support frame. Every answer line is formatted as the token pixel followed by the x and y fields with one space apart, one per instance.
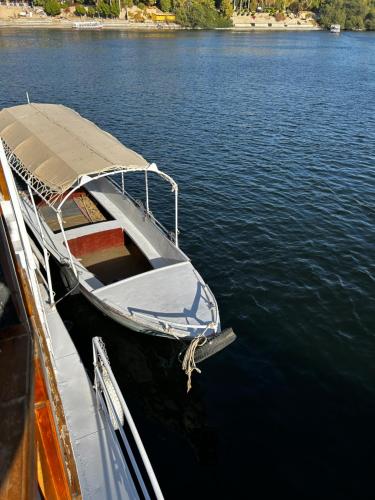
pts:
pixel 151 168
pixel 72 265
pixel 46 254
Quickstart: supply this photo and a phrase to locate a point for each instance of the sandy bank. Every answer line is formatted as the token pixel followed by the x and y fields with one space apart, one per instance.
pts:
pixel 50 23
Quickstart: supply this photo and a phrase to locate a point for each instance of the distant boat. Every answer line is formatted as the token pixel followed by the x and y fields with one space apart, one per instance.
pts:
pixel 87 25
pixel 335 28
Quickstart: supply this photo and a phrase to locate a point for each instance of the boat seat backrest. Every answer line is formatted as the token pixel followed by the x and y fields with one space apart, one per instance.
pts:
pixel 95 242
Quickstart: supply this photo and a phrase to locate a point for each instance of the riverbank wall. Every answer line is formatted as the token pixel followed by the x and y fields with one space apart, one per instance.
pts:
pixel 50 23
pixel 263 21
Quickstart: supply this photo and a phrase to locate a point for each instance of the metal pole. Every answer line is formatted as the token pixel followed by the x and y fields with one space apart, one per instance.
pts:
pixel 122 183
pixel 146 184
pixel 66 244
pixel 176 214
pixel 95 363
pixel 45 251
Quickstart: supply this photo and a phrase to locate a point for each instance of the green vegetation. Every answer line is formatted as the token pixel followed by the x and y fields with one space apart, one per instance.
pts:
pixel 165 5
pixel 91 12
pixel 52 7
pixel 350 14
pixel 105 9
pixel 202 13
pixel 226 8
pixel 80 10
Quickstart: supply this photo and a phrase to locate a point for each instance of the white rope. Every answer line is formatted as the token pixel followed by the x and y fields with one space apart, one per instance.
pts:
pixel 188 363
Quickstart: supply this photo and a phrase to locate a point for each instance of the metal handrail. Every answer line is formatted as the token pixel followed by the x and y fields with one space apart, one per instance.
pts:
pixel 140 205
pixel 100 386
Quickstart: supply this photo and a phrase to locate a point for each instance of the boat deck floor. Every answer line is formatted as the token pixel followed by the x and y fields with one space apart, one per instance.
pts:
pixel 115 264
pixel 78 211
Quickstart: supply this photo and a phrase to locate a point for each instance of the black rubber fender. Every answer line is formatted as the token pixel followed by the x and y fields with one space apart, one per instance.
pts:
pixel 69 279
pixel 215 345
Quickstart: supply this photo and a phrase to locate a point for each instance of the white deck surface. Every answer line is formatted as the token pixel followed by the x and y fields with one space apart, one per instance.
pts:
pixel 102 471
pixel 173 294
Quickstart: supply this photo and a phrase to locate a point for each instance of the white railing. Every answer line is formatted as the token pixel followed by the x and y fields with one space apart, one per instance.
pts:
pixel 139 204
pixel 106 385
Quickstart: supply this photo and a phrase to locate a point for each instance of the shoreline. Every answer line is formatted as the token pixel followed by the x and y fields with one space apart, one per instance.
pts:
pixel 273 28
pixel 128 26
pixel 68 25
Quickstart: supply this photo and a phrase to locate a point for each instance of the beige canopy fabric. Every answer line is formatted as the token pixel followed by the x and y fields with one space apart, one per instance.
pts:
pixel 57 146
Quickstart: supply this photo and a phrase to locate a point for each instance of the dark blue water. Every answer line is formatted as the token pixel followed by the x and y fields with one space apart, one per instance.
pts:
pixel 272 140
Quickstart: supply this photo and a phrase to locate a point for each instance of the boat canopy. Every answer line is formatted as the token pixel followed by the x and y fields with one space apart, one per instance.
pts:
pixel 52 148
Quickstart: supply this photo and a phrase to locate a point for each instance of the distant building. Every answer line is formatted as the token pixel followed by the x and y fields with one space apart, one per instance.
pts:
pixel 165 17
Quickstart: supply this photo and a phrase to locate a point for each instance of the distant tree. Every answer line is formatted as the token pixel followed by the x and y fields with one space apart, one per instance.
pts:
pixel 52 7
pixel 370 20
pixel 226 8
pixel 354 23
pixel 351 14
pixel 103 9
pixel 333 13
pixel 199 14
pixel 80 10
pixel 165 5
pixel 91 12
pixel 115 9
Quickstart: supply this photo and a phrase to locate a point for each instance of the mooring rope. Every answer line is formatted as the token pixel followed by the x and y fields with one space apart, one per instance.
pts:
pixel 188 363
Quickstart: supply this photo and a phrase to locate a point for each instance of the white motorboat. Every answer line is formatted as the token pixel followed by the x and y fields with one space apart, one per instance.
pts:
pixel 109 246
pixel 87 25
pixel 335 28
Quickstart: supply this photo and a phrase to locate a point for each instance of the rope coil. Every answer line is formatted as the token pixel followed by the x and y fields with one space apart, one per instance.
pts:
pixel 188 363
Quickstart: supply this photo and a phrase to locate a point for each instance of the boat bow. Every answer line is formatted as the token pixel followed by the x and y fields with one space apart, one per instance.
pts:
pixel 169 301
